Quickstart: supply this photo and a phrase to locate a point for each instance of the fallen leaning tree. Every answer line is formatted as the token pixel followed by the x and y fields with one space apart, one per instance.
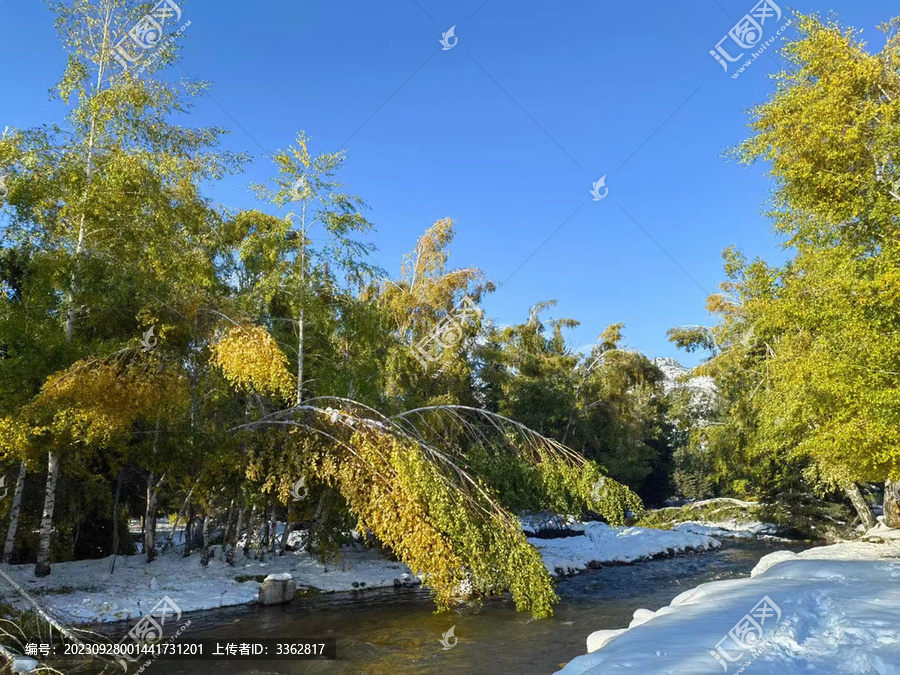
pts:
pixel 438 486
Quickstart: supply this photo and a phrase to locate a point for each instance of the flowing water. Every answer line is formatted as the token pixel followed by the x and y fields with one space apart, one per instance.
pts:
pixel 395 631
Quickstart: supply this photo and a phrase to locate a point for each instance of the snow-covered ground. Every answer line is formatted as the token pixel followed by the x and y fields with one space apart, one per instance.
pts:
pixel 85 592
pixel 601 543
pixel 830 609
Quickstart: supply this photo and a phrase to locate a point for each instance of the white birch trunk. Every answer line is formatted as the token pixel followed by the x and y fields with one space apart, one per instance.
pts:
pixel 300 327
pixel 859 503
pixel 272 528
pixel 42 566
pixel 892 503
pixel 252 531
pixel 181 511
pixel 14 515
pixel 227 533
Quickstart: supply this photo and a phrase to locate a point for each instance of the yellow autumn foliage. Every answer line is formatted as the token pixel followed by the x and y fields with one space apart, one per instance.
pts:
pixel 250 359
pixel 462 542
pixel 96 402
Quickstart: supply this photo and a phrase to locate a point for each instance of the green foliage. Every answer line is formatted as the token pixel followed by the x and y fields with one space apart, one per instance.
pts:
pixel 608 404
pixel 805 355
pixel 108 235
pixel 416 306
pixel 829 131
pixel 791 498
pixel 437 487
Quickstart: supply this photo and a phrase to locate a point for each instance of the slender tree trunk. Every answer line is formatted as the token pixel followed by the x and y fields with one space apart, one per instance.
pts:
pixel 189 531
pixel 300 327
pixel 150 520
pixel 150 516
pixel 114 546
pixel 273 530
pixel 204 556
pixel 42 566
pixel 14 515
pixel 91 148
pixel 312 537
pixel 300 315
pixel 892 503
pixel 264 542
pixel 862 508
pixel 225 536
pixel 229 556
pixel 252 531
pixel 184 506
pixel 571 420
pixel 39 610
pixel 287 531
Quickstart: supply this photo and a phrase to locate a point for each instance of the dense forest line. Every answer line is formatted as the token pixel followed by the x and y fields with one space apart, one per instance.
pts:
pixel 162 354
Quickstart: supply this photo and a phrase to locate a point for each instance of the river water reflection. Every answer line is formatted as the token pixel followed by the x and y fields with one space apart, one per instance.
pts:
pixel 395 632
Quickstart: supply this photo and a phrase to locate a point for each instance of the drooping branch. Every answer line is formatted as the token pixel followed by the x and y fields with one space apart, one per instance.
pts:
pixel 438 516
pixel 539 473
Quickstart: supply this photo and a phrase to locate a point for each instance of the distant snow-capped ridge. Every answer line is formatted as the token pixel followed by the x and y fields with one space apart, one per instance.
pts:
pixel 703 387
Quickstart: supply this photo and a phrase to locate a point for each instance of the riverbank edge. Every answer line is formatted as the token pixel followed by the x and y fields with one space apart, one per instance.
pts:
pixel 84 593
pixel 877 546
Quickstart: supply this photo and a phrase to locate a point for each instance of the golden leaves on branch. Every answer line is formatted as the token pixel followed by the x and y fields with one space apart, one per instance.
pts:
pixel 437 485
pixel 251 360
pixel 15 437
pixel 395 511
pixel 429 511
pixel 97 401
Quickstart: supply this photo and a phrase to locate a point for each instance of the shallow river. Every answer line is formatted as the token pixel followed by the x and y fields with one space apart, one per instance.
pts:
pixel 397 632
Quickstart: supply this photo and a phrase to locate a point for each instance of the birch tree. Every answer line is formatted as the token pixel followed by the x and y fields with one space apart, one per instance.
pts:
pixel 299 265
pixel 113 194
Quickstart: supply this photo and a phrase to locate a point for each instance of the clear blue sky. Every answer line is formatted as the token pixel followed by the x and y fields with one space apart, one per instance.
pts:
pixel 505 133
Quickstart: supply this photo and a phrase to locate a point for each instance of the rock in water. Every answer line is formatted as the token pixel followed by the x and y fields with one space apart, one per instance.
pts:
pixel 277 589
